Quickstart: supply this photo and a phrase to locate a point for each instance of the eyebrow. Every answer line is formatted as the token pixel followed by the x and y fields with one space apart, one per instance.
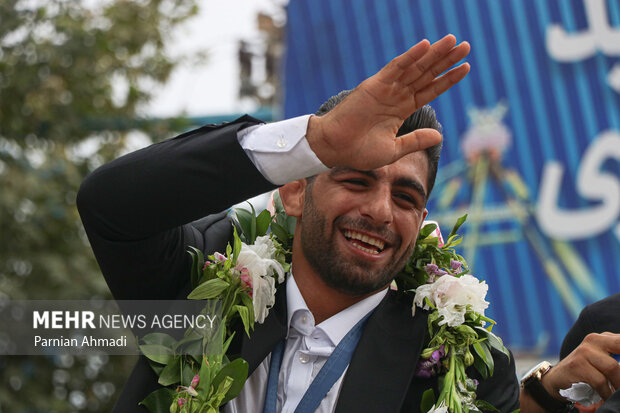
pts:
pixel 401 182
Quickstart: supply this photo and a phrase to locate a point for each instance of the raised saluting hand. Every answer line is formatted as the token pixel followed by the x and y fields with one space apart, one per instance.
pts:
pixel 360 132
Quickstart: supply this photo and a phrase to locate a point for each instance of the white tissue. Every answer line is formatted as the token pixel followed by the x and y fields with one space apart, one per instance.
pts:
pixel 581 393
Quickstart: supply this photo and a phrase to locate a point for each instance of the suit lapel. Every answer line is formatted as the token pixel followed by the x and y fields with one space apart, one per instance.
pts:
pixel 384 362
pixel 265 336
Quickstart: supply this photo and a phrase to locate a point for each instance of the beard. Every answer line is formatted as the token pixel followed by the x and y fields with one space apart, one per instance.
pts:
pixel 350 275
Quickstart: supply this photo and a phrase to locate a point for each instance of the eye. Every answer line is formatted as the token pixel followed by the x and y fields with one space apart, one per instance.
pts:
pixel 356 182
pixel 405 199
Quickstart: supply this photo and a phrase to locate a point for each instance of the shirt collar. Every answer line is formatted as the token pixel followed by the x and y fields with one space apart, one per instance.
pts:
pixel 338 325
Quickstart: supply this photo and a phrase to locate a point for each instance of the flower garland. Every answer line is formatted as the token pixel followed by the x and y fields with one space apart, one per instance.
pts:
pixel 198 376
pixel 437 278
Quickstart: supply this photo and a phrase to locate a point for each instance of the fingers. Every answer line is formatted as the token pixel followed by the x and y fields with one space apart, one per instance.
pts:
pixel 436 53
pixel 606 341
pixel 395 69
pixel 417 140
pixel 608 371
pixel 438 67
pixel 440 85
pixel 591 363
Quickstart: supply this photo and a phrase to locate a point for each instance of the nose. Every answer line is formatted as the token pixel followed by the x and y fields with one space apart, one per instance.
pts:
pixel 378 206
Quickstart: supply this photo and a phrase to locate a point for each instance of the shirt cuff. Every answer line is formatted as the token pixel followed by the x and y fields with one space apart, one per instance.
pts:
pixel 280 150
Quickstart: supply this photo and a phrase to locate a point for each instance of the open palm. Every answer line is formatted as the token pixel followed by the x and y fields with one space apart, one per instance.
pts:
pixel 360 132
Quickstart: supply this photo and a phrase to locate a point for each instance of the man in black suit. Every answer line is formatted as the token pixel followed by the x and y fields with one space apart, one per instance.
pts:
pixel 585 357
pixel 357 221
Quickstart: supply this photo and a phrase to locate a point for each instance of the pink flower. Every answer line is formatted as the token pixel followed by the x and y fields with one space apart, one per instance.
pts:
pixel 181 401
pixel 246 279
pixel 219 257
pixel 195 381
pixel 207 263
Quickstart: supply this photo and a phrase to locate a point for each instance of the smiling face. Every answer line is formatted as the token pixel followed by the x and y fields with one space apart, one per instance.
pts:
pixel 358 228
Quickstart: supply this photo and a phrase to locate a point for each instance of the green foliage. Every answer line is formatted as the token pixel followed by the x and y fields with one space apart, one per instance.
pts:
pixel 208 289
pixel 60 62
pixel 159 401
pixel 427 251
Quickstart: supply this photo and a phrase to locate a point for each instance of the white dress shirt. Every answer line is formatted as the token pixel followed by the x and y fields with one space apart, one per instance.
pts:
pixel 307 348
pixel 281 153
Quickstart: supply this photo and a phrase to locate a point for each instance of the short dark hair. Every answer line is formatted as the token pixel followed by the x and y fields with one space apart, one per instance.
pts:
pixel 425 117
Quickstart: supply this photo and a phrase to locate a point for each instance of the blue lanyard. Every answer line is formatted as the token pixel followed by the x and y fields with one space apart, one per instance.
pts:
pixel 331 371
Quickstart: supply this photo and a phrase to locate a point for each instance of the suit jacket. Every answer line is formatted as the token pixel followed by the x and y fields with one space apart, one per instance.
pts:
pixel 598 317
pixel 141 212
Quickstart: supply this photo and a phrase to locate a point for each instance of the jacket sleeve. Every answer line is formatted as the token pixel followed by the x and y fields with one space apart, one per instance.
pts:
pixel 142 210
pixel 597 317
pixel 502 389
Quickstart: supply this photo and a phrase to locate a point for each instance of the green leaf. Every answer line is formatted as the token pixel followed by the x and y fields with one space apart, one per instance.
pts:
pixel 157 352
pixel 245 221
pixel 481 366
pixel 244 313
pixel 159 401
pixel 481 404
pixel 480 351
pixel 194 349
pixel 237 370
pixel 249 304
pixel 262 223
pixel 237 245
pixel 163 339
pixel 280 233
pixel 227 343
pixel 222 389
pixel 427 230
pixel 428 400
pixel 253 225
pixel 171 374
pixel 205 377
pixel 194 274
pixel 198 263
pixel 494 341
pixel 157 367
pixel 458 224
pixel 208 289
pixel 187 375
pixel 489 357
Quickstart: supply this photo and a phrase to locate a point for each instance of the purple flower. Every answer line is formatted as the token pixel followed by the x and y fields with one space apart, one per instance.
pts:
pixel 433 271
pixel 425 369
pixel 430 367
pixel 456 266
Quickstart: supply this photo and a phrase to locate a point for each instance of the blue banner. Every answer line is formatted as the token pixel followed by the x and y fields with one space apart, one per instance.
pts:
pixel 531 138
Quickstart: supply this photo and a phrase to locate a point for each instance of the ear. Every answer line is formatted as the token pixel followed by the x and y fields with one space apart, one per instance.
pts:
pixel 292 195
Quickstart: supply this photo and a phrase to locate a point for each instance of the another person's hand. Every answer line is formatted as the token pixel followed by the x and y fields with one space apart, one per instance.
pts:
pixel 590 363
pixel 361 131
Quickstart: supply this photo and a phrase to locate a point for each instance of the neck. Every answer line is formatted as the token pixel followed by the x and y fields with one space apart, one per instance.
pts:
pixel 322 300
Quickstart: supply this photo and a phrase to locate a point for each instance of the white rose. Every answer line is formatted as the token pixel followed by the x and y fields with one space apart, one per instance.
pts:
pixel 452 296
pixel 257 260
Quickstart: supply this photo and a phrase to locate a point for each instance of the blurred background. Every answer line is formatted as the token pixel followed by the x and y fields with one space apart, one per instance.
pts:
pixel 531 140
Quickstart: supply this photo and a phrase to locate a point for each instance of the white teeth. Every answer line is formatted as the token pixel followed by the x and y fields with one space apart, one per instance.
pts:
pixel 364 238
pixel 365 249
